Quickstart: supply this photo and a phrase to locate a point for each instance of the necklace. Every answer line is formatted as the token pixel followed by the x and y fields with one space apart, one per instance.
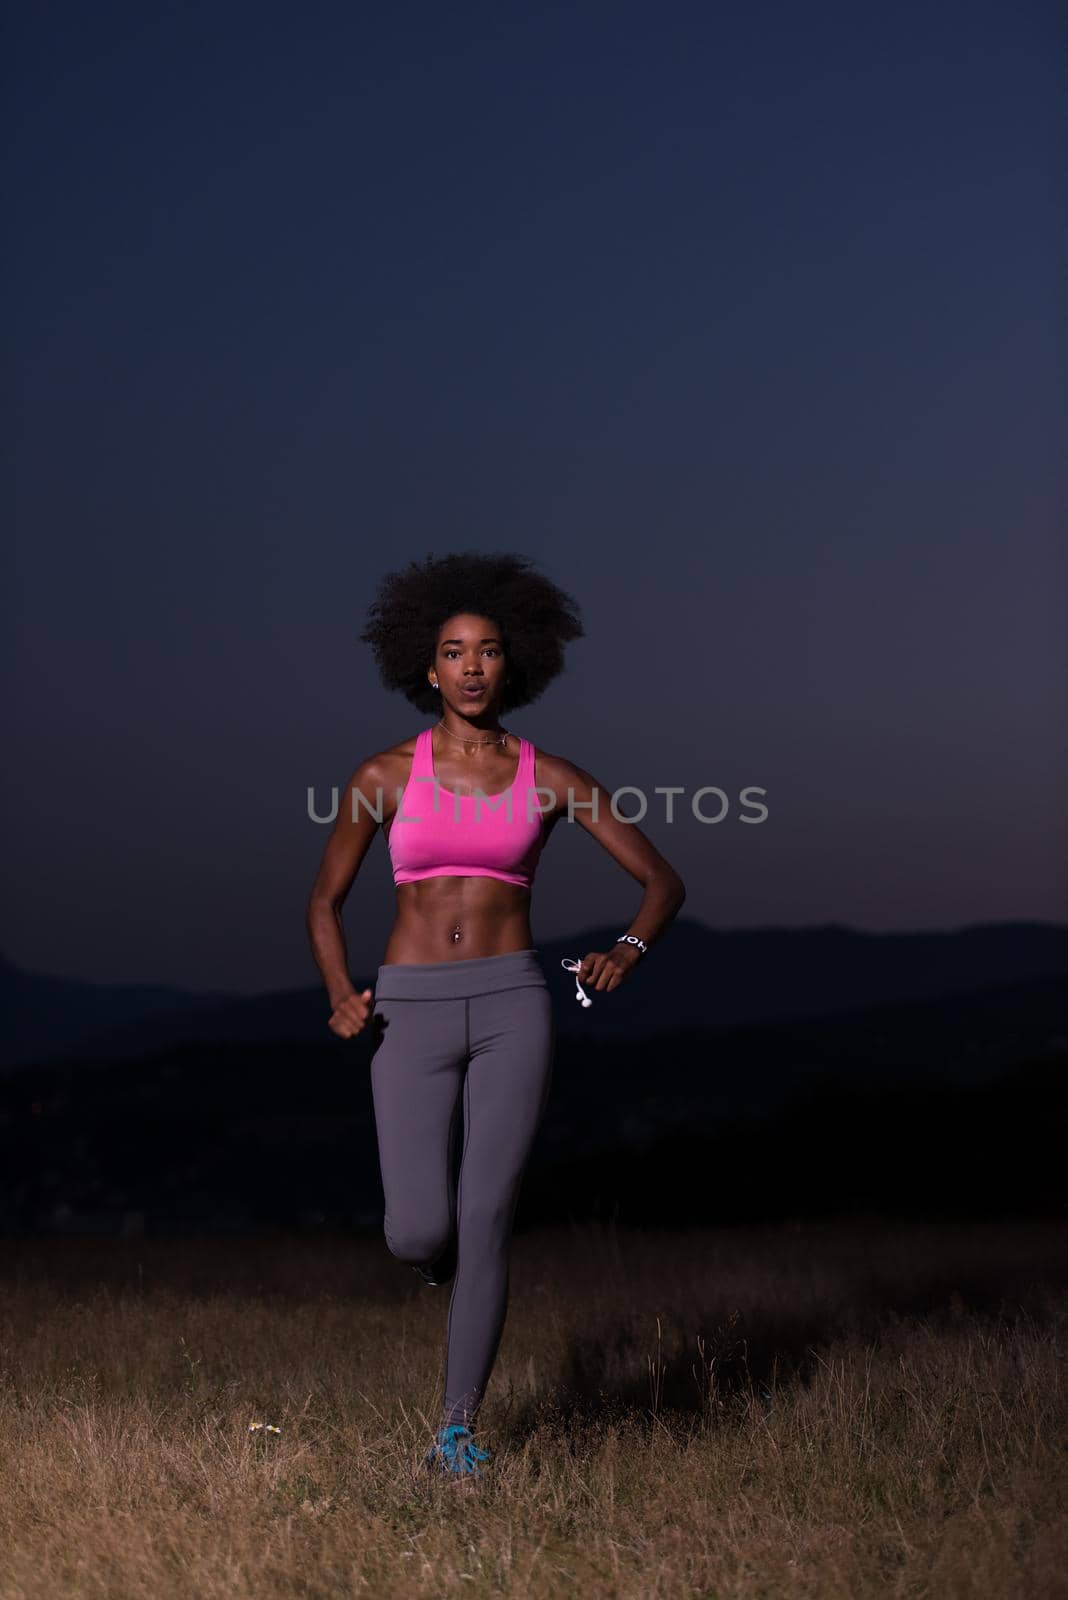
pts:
pixel 498 738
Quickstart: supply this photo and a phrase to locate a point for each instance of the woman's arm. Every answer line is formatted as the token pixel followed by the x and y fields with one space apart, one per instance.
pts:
pixel 350 839
pixel 664 890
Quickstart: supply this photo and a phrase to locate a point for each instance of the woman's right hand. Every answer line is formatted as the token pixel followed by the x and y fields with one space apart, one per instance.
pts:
pixel 350 1015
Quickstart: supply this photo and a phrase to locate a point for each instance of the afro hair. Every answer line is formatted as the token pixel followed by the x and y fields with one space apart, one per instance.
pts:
pixel 536 620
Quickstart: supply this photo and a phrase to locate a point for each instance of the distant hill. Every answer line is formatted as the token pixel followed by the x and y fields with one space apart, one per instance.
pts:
pixel 695 978
pixel 44 1016
pixel 956 1102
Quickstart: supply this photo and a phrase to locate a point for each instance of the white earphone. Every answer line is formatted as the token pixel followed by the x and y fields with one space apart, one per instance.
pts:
pixel 573 966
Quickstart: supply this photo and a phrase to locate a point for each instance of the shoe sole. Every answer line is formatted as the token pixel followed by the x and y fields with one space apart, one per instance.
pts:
pixel 434 1283
pixel 470 1480
pixel 446 1262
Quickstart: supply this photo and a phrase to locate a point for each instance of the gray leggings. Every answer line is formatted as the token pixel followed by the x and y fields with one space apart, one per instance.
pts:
pixel 477 1036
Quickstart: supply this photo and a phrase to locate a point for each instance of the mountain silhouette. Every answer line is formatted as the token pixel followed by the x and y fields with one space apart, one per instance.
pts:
pixel 695 978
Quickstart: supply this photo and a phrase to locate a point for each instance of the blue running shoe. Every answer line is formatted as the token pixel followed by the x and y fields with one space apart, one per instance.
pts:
pixel 454 1450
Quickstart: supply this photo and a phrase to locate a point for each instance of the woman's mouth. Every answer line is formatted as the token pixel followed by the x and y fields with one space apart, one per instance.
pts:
pixel 473 691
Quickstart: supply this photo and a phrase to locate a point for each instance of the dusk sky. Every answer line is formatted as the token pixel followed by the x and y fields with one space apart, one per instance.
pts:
pixel 747 323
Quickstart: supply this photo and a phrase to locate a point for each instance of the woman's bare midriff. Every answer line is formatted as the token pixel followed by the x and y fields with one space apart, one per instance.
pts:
pixel 458 919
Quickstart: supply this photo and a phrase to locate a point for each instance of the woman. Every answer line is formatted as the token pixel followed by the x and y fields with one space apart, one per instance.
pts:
pixel 462 1014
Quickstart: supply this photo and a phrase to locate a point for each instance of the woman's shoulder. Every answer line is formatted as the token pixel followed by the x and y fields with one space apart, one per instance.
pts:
pixel 388 767
pixel 556 769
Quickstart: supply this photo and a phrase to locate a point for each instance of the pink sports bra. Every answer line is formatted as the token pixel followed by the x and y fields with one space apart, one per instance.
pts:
pixel 436 833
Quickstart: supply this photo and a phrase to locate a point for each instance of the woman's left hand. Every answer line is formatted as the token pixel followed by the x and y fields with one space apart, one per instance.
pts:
pixel 601 972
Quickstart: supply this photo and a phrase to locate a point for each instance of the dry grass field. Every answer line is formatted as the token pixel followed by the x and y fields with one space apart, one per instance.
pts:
pixel 832 1410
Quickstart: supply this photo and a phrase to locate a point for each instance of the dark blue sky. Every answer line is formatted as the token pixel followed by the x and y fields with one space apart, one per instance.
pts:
pixel 746 322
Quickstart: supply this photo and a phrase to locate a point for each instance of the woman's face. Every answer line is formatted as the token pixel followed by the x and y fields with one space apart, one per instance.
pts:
pixel 469 664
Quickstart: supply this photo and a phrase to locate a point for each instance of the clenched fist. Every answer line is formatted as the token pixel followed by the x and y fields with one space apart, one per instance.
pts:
pixel 350 1015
